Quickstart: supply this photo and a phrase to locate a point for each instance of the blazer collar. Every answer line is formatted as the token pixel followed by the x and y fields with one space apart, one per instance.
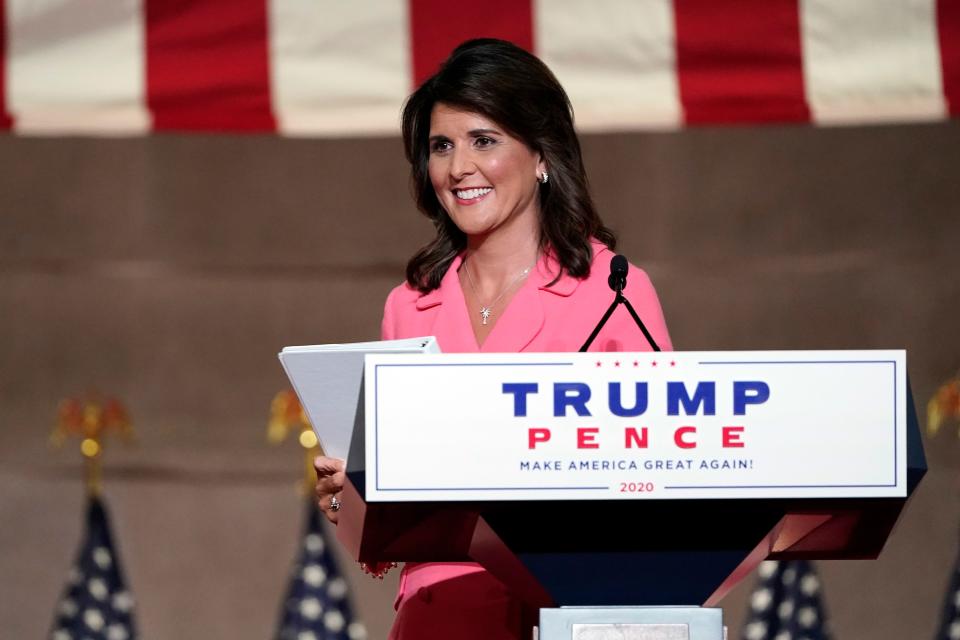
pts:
pixel 543 276
pixel 449 287
pixel 519 322
pixel 549 267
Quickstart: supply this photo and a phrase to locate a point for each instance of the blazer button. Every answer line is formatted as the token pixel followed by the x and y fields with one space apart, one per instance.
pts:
pixel 424 594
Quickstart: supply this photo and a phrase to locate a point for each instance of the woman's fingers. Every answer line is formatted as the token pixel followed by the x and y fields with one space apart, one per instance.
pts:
pixel 327 466
pixel 330 484
pixel 330 477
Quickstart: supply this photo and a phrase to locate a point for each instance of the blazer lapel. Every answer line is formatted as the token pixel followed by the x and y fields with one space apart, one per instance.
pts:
pixel 524 318
pixel 520 323
pixel 452 325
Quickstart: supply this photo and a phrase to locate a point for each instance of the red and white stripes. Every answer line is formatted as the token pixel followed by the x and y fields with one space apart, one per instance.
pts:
pixel 335 68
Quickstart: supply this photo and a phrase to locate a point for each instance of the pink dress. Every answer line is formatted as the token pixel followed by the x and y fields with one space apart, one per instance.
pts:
pixel 461 600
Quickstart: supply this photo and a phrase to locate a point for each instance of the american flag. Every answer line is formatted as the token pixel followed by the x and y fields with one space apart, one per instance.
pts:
pixel 95 603
pixel 787 604
pixel 329 68
pixel 950 618
pixel 317 604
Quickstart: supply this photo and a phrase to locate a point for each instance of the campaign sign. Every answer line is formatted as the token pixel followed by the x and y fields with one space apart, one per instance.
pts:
pixel 635 426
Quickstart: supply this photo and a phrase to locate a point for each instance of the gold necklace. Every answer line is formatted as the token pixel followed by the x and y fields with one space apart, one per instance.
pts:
pixel 487 310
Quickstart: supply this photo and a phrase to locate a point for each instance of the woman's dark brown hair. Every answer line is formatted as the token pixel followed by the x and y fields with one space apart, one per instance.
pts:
pixel 516 90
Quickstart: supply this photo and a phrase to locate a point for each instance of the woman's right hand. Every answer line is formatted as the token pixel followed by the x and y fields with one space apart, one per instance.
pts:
pixel 330 476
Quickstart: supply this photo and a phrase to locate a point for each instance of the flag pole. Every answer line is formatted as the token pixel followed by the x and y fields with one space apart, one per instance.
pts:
pixel 95 598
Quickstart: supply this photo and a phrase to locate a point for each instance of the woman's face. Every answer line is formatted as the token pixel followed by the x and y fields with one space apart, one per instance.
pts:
pixel 485 179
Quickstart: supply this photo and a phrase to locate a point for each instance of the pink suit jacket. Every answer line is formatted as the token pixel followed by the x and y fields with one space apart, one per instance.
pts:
pixel 461 600
pixel 541 317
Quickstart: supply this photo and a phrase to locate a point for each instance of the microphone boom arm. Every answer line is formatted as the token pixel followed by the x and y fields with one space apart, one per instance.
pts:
pixel 618 300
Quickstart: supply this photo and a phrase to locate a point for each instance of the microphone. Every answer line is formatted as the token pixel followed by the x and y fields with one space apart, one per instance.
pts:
pixel 618 273
pixel 618 282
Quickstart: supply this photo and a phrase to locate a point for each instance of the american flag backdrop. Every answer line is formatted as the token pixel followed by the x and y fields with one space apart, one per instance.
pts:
pixel 343 67
pixel 949 627
pixel 787 603
pixel 317 602
pixel 95 603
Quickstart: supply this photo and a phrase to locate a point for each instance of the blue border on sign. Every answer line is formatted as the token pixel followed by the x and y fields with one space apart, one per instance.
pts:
pixel 604 488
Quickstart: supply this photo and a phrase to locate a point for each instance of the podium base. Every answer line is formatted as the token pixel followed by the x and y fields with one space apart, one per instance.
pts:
pixel 630 623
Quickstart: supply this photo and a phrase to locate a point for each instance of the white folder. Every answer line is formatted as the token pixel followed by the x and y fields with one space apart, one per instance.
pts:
pixel 327 379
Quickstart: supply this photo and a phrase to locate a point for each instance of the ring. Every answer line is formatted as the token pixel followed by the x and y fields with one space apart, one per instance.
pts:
pixel 335 504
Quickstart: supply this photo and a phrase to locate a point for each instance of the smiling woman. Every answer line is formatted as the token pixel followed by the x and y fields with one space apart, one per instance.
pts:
pixel 484 178
pixel 506 98
pixel 518 263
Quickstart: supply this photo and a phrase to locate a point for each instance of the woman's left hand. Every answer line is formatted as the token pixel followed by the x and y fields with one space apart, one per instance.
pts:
pixel 330 477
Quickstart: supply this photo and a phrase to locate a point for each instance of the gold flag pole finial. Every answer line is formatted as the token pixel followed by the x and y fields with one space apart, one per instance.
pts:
pixel 286 416
pixel 91 418
pixel 944 406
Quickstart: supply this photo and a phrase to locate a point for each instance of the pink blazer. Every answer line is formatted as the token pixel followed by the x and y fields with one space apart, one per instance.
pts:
pixel 541 316
pixel 461 600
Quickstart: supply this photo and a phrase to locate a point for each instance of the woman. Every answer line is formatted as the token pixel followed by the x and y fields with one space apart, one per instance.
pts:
pixel 519 263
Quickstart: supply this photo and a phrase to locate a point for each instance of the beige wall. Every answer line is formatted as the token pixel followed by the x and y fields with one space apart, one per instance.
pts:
pixel 169 271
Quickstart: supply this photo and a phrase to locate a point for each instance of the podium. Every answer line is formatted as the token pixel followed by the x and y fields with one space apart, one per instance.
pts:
pixel 629 490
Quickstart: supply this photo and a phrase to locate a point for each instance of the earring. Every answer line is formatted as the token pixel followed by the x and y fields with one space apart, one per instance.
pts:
pixel 543 178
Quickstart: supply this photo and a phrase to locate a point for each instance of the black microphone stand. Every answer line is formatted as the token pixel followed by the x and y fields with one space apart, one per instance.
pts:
pixel 617 283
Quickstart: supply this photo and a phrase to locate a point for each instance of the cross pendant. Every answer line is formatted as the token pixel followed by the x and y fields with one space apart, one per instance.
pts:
pixel 484 314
